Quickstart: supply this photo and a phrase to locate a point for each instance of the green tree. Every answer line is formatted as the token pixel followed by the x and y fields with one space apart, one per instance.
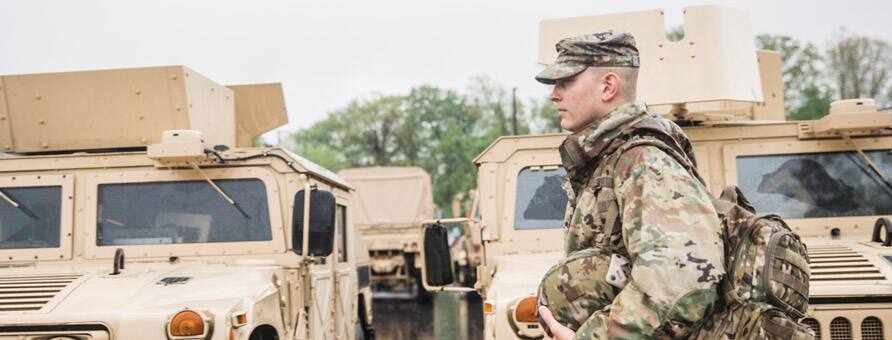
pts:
pixel 860 67
pixel 452 136
pixel 544 114
pixel 362 133
pixel 815 104
pixel 806 96
pixel 368 129
pixel 436 129
pixel 323 155
pixel 319 144
pixel 494 104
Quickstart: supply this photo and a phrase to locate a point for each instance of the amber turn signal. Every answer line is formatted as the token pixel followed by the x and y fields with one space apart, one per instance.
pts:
pixel 487 308
pixel 187 323
pixel 525 311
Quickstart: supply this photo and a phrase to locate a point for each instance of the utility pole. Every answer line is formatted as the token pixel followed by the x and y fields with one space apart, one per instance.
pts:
pixel 514 109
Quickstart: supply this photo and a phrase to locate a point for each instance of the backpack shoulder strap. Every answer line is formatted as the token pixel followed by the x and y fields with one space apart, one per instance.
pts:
pixel 606 202
pixel 734 195
pixel 637 141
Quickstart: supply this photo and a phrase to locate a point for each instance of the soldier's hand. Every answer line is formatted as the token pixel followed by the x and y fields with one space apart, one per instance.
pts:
pixel 559 331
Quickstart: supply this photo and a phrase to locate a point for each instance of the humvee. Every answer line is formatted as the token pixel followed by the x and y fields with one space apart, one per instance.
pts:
pixel 828 178
pixel 134 206
pixel 391 202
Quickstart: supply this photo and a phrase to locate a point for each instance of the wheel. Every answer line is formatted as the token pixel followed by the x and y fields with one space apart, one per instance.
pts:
pixel 264 332
pixel 421 294
pixel 364 331
pixel 468 275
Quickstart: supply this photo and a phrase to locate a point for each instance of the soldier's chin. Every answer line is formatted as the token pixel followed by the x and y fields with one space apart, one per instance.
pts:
pixel 567 125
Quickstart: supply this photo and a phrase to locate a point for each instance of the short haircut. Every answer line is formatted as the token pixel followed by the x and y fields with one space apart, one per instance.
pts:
pixel 628 80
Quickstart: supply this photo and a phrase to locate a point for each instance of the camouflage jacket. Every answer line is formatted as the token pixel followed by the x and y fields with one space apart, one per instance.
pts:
pixel 664 223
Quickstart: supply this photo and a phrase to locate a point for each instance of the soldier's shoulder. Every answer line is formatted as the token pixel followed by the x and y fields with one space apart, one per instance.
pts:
pixel 640 159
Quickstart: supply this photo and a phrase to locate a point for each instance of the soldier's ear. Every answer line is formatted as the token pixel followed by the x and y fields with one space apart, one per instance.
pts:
pixel 610 84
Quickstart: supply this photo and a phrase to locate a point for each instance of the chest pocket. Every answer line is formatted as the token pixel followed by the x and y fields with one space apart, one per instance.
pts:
pixel 595 220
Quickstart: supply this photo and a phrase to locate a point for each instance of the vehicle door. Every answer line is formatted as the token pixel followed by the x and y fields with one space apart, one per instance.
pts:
pixel 346 287
pixel 331 314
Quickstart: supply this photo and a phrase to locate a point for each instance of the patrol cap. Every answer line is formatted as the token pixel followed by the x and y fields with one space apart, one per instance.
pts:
pixel 604 48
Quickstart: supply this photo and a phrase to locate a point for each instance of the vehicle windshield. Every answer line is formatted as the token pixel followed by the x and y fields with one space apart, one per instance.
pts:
pixel 832 184
pixel 36 222
pixel 182 212
pixel 541 201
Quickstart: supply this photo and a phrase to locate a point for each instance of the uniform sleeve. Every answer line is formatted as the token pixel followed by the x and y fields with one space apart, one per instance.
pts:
pixel 673 239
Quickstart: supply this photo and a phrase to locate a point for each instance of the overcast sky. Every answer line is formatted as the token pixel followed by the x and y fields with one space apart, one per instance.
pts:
pixel 328 52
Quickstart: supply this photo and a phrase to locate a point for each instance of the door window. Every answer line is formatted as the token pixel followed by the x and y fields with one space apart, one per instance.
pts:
pixel 541 201
pixel 30 217
pixel 341 231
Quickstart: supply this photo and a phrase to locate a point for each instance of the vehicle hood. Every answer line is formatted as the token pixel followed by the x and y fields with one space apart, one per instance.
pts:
pixel 139 288
pixel 518 275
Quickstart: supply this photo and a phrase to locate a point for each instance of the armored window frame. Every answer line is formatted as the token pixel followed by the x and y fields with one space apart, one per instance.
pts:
pixel 66 218
pixel 533 224
pixel 91 210
pixel 497 185
pixel 730 153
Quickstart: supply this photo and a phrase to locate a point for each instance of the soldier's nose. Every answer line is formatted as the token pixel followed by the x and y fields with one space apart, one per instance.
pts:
pixel 554 96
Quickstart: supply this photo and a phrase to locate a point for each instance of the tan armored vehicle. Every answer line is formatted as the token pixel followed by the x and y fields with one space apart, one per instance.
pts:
pixel 828 178
pixel 390 203
pixel 132 206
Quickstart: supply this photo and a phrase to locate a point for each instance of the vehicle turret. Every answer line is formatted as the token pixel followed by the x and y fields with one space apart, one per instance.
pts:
pixel 125 109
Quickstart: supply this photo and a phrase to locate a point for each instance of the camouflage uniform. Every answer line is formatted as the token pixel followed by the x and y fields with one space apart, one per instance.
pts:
pixel 656 214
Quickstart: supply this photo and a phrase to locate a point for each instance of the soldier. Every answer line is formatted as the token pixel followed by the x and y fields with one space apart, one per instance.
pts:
pixel 642 239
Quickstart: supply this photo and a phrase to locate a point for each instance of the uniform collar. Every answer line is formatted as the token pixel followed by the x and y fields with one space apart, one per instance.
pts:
pixel 585 145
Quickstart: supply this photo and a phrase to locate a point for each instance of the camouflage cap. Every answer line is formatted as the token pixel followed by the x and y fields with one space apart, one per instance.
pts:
pixel 605 48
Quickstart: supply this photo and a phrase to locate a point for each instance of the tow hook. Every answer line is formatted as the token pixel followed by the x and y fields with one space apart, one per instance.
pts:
pixel 119 262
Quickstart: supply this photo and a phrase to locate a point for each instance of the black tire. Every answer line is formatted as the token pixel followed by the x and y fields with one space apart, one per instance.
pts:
pixel 469 275
pixel 363 328
pixel 421 294
pixel 264 332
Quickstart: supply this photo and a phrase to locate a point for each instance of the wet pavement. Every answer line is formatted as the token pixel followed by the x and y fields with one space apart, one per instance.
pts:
pixel 447 316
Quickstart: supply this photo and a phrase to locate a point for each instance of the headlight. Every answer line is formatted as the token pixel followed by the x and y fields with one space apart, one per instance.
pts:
pixel 188 324
pixel 524 318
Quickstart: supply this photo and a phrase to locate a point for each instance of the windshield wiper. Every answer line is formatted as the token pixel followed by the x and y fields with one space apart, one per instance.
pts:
pixel 16 205
pixel 870 163
pixel 220 191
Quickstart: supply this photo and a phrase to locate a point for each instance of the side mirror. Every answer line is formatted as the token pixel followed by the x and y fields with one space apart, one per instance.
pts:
pixel 437 256
pixel 322 223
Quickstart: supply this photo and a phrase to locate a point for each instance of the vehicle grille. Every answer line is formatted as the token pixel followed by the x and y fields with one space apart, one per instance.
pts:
pixel 871 329
pixel 840 329
pixel 31 293
pixel 66 331
pixel 814 325
pixel 836 263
